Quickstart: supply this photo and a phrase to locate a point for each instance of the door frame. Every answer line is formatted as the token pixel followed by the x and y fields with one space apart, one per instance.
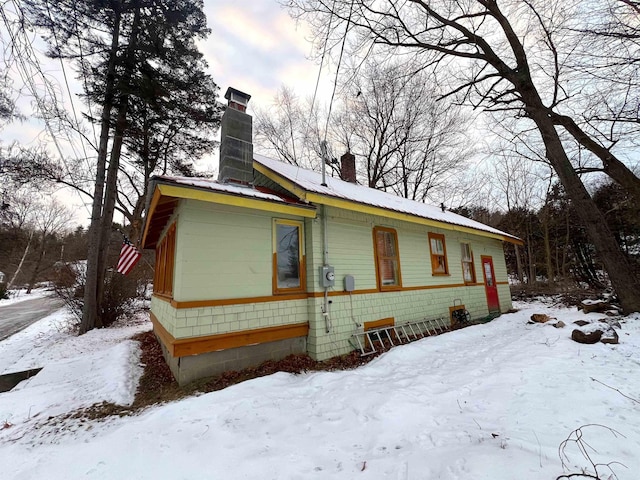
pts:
pixel 491 291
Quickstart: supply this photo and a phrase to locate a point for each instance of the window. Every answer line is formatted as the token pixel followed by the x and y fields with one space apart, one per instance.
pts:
pixel 387 258
pixel 438 254
pixel 288 259
pixel 165 252
pixel 468 271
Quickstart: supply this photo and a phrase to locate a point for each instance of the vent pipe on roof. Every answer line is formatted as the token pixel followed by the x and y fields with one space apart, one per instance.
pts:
pixel 236 149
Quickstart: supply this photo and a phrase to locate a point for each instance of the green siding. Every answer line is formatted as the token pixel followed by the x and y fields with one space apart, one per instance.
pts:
pixel 225 252
pixel 222 252
pixel 351 251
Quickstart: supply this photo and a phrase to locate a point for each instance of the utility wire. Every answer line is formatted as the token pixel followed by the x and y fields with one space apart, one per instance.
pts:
pixel 24 72
pixel 84 75
pixel 73 108
pixel 324 52
pixel 335 81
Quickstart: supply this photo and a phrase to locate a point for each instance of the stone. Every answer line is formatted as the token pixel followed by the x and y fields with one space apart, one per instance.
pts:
pixel 560 324
pixel 610 337
pixel 588 338
pixel 588 306
pixel 581 323
pixel 540 318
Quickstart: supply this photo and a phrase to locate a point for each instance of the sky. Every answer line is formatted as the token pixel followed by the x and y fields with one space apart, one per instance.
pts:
pixel 255 47
pixel 492 401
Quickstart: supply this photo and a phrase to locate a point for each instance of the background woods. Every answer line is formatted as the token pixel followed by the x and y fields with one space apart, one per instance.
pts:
pixel 522 115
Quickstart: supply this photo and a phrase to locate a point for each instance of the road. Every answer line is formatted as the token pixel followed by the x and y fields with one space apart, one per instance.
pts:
pixel 18 316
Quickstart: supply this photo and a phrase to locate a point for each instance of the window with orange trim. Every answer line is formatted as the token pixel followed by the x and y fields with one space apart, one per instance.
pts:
pixel 165 253
pixel 438 249
pixel 468 270
pixel 387 258
pixel 288 257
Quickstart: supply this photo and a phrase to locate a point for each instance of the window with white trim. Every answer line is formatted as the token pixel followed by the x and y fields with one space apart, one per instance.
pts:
pixel 438 248
pixel 387 258
pixel 468 270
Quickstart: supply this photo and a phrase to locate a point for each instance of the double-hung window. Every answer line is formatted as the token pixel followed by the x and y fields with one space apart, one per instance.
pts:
pixel 468 271
pixel 438 254
pixel 288 257
pixel 387 258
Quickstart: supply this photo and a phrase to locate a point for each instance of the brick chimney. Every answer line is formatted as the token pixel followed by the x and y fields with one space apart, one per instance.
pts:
pixel 348 167
pixel 236 149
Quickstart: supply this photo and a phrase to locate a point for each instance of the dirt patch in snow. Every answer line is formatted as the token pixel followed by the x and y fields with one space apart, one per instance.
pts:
pixel 157 384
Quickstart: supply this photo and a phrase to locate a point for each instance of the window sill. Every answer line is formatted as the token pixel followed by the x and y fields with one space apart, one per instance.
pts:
pixel 290 291
pixel 163 296
pixel 441 274
pixel 390 288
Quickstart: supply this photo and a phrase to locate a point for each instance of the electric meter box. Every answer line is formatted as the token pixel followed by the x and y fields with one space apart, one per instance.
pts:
pixel 327 276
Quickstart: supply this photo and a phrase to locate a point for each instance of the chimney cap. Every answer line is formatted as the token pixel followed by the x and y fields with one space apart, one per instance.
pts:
pixel 237 96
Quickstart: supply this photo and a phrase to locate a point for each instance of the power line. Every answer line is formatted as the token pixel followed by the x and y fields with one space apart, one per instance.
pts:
pixel 335 81
pixel 84 75
pixel 66 81
pixel 324 52
pixel 24 72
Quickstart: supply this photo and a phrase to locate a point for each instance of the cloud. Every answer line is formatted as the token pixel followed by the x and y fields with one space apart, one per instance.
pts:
pixel 256 47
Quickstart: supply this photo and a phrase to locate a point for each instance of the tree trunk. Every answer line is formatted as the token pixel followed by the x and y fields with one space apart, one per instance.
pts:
pixel 620 272
pixel 90 317
pixel 565 248
pixel 135 231
pixel 547 246
pixel 114 159
pixel 611 165
pixel 24 255
pixel 36 268
pixel 531 277
pixel 519 264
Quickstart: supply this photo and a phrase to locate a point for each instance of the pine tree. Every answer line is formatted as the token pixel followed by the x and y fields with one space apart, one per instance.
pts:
pixel 133 57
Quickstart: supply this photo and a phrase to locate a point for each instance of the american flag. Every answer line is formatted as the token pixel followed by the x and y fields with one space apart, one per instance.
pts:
pixel 129 256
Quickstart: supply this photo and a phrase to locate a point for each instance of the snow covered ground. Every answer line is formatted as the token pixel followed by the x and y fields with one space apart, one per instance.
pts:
pixel 17 296
pixel 491 401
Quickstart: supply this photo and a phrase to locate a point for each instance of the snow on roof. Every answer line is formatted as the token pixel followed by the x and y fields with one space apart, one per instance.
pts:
pixel 231 188
pixel 312 182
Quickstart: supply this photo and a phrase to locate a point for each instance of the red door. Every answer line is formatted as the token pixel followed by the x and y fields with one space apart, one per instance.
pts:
pixel 490 284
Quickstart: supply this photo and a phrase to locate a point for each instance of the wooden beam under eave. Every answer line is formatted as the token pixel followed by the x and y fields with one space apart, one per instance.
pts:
pixel 160 211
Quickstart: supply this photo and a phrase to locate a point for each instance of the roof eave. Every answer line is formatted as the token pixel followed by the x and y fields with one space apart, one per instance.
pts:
pixel 325 199
pixel 166 192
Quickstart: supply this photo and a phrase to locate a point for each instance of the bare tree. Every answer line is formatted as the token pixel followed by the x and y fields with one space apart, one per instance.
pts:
pixel 404 140
pixel 511 58
pixel 49 218
pixel 288 129
pixel 411 143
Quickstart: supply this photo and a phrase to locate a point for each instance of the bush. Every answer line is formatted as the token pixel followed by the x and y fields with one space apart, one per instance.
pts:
pixel 4 294
pixel 120 292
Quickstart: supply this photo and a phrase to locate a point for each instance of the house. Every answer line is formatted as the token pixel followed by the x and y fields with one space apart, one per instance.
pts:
pixel 272 259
